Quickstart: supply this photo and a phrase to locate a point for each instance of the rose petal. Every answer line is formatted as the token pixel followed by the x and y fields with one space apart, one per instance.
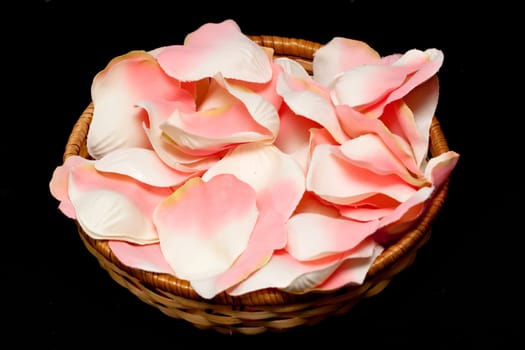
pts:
pixel 279 184
pixel 204 226
pixel 117 121
pixel 59 184
pixel 143 165
pixel 312 236
pixel 147 257
pixel 311 100
pixel 112 206
pixel 354 269
pixel 217 48
pixel 340 55
pixel 341 182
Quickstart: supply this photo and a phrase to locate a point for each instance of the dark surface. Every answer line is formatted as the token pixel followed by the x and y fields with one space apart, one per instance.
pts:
pixel 464 287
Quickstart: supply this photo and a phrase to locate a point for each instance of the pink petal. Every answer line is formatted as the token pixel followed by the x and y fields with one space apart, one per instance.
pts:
pixel 341 182
pixel 354 269
pixel 143 165
pixel 279 184
pixel 312 236
pixel 311 100
pixel 294 135
pixel 117 121
pixel 355 123
pixel 59 184
pixel 368 151
pixel 147 257
pixel 340 55
pixel 217 48
pixel 166 148
pixel 204 226
pixel 366 84
pixel 226 120
pixel 439 168
pixel 411 117
pixel 113 206
pixel 282 270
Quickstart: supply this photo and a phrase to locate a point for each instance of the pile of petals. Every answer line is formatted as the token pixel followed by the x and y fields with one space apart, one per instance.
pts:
pixel 224 165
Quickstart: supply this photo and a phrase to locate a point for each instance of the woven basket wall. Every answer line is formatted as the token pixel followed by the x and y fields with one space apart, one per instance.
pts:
pixel 269 309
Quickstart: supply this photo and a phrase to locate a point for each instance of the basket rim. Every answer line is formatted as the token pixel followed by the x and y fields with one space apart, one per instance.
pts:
pixel 303 51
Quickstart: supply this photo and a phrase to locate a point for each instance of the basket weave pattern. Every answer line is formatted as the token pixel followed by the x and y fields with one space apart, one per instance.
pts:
pixel 268 309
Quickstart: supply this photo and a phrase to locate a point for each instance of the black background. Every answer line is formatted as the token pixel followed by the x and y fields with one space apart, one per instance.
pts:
pixel 464 288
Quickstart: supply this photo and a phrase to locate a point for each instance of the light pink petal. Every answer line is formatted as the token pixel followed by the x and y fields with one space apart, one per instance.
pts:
pixel 411 117
pixel 311 100
pixel 224 121
pixel 268 235
pixel 407 211
pixel 279 183
pixel 433 60
pixel 117 121
pixel 171 153
pixel 439 168
pixel 287 273
pixel 59 184
pixel 367 84
pixel 339 181
pixel 354 269
pixel 355 124
pixel 294 135
pixel 147 257
pixel 282 270
pixel 217 48
pixel 143 165
pixel 340 55
pixel 371 208
pixel 368 151
pixel 204 226
pixel 112 206
pixel 312 236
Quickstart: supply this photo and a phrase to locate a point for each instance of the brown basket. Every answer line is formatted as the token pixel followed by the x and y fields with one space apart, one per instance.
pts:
pixel 268 309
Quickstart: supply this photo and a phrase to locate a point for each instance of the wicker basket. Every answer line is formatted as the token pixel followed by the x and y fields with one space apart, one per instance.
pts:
pixel 269 309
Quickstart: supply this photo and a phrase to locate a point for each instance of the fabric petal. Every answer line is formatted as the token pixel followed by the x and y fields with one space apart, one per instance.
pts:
pixel 59 184
pixel 368 151
pixel 205 225
pixel 117 121
pixel 311 100
pixel 312 236
pixel 217 48
pixel 340 55
pixel 147 257
pixel 279 183
pixel 341 182
pixel 354 269
pixel 143 165
pixel 112 206
pixel 439 168
pixel 167 149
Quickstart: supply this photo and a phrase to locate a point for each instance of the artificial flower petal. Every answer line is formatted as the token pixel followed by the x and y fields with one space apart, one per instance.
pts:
pixel 204 226
pixel 354 269
pixel 348 182
pixel 311 100
pixel 117 121
pixel 313 236
pixel 143 165
pixel 113 206
pixel 147 257
pixel 279 184
pixel 340 55
pixel 59 184
pixel 217 48
pixel 282 270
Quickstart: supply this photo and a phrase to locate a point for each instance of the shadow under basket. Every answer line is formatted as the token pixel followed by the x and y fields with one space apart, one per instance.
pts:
pixel 268 309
